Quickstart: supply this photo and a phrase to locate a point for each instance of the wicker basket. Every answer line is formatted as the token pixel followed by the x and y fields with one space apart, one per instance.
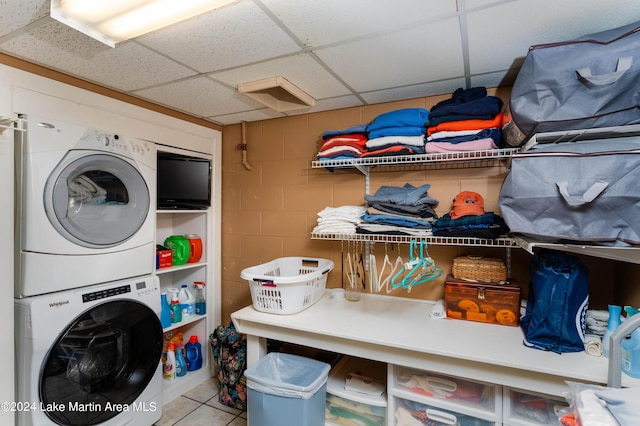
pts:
pixel 479 268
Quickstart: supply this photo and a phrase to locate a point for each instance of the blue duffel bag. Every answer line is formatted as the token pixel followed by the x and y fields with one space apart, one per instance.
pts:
pixel 557 303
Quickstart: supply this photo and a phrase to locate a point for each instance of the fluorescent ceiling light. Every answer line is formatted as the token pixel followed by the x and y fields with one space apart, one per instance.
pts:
pixel 114 21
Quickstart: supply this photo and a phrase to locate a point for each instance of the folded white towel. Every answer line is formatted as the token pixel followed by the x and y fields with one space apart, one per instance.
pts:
pixel 593 345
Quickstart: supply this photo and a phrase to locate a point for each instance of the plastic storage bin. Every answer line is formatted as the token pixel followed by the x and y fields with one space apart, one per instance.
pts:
pixel 287 390
pixel 530 409
pixel 287 285
pixel 356 393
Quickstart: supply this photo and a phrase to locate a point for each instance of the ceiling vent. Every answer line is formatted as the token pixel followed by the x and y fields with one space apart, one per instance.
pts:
pixel 277 93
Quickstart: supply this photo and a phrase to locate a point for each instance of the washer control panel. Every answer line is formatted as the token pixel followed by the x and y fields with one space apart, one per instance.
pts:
pixel 140 289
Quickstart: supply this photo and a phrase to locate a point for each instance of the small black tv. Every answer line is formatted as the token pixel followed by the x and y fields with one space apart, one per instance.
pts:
pixel 184 182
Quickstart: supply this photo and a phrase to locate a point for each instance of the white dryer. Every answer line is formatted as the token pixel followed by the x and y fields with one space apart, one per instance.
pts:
pixel 90 356
pixel 85 206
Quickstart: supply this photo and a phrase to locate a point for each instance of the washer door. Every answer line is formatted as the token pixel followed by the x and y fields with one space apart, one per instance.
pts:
pixel 96 200
pixel 107 356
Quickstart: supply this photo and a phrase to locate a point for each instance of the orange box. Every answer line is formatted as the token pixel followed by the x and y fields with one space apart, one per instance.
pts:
pixel 164 257
pixel 482 301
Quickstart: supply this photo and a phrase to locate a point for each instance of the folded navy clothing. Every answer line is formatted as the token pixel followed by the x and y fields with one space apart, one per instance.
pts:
pixel 489 105
pixel 458 117
pixel 460 96
pixel 488 232
pixel 415 117
pixel 489 218
pixel 423 210
pixel 492 132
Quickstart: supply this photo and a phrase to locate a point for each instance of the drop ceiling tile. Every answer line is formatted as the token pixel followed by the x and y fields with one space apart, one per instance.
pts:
pixel 334 103
pixel 127 67
pixel 235 35
pixel 417 55
pixel 414 91
pixel 301 70
pixel 318 23
pixel 256 115
pixel 16 14
pixel 495 47
pixel 199 96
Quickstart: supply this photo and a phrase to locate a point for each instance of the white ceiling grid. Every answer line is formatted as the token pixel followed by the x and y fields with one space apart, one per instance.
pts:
pixel 344 53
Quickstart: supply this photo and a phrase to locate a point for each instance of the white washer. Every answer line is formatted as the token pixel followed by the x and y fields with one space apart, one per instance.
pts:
pixel 85 207
pixel 90 356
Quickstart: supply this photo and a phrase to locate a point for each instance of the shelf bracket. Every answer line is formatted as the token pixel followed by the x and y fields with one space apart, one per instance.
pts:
pixel 365 171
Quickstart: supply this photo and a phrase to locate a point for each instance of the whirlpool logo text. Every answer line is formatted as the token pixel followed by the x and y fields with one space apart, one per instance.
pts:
pixel 58 304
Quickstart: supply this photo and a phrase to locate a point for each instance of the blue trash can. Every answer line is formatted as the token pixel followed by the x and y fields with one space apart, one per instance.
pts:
pixel 287 390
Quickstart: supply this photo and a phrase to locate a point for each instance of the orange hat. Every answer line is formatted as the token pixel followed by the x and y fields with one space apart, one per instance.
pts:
pixel 467 203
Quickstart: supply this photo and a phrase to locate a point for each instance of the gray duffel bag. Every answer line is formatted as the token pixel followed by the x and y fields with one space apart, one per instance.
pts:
pixel 592 81
pixel 582 192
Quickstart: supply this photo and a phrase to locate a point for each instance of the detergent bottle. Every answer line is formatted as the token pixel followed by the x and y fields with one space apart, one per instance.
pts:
pixel 176 308
pixel 181 362
pixel 187 301
pixel 170 364
pixel 201 303
pixel 165 312
pixel 612 324
pixel 631 349
pixel 194 354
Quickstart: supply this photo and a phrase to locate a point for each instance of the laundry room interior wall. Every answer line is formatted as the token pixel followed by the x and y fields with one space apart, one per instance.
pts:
pixel 270 211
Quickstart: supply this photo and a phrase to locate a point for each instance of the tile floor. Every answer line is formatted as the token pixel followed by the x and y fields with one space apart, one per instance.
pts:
pixel 200 407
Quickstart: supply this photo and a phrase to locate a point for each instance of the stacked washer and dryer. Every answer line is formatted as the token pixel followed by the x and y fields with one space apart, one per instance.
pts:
pixel 87 328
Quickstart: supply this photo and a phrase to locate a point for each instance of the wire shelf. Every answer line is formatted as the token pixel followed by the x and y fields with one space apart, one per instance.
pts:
pixel 418 159
pixel 434 240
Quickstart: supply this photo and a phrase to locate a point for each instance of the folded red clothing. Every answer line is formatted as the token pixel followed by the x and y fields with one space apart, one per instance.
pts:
pixel 466 125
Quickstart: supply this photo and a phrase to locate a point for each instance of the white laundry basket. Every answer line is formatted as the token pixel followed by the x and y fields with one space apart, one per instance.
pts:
pixel 287 285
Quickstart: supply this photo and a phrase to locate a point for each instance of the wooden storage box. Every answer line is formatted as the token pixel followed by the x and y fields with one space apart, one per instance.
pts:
pixel 482 301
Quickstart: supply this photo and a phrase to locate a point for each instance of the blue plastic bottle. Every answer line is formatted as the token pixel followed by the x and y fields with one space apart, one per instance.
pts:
pixel 631 349
pixel 165 313
pixel 612 324
pixel 194 354
pixel 181 363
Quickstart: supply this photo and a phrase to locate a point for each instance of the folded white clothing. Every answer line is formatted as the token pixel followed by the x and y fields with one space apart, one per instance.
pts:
pixel 593 345
pixel 335 229
pixel 347 219
pixel 598 315
pixel 452 134
pixel 378 228
pixel 343 210
pixel 395 140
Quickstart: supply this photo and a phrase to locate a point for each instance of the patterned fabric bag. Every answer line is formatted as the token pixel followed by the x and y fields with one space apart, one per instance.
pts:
pixel 230 356
pixel 557 303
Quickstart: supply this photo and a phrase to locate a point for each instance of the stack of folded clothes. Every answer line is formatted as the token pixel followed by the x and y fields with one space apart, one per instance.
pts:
pixel 468 219
pixel 468 121
pixel 339 220
pixel 343 144
pixel 399 132
pixel 393 210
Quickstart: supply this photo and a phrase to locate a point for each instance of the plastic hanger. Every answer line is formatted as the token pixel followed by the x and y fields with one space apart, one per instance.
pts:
pixel 425 270
pixel 397 266
pixel 386 262
pixel 404 271
pixel 374 281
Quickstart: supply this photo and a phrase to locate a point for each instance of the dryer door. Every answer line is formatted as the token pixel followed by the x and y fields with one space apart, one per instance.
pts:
pixel 101 363
pixel 96 200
